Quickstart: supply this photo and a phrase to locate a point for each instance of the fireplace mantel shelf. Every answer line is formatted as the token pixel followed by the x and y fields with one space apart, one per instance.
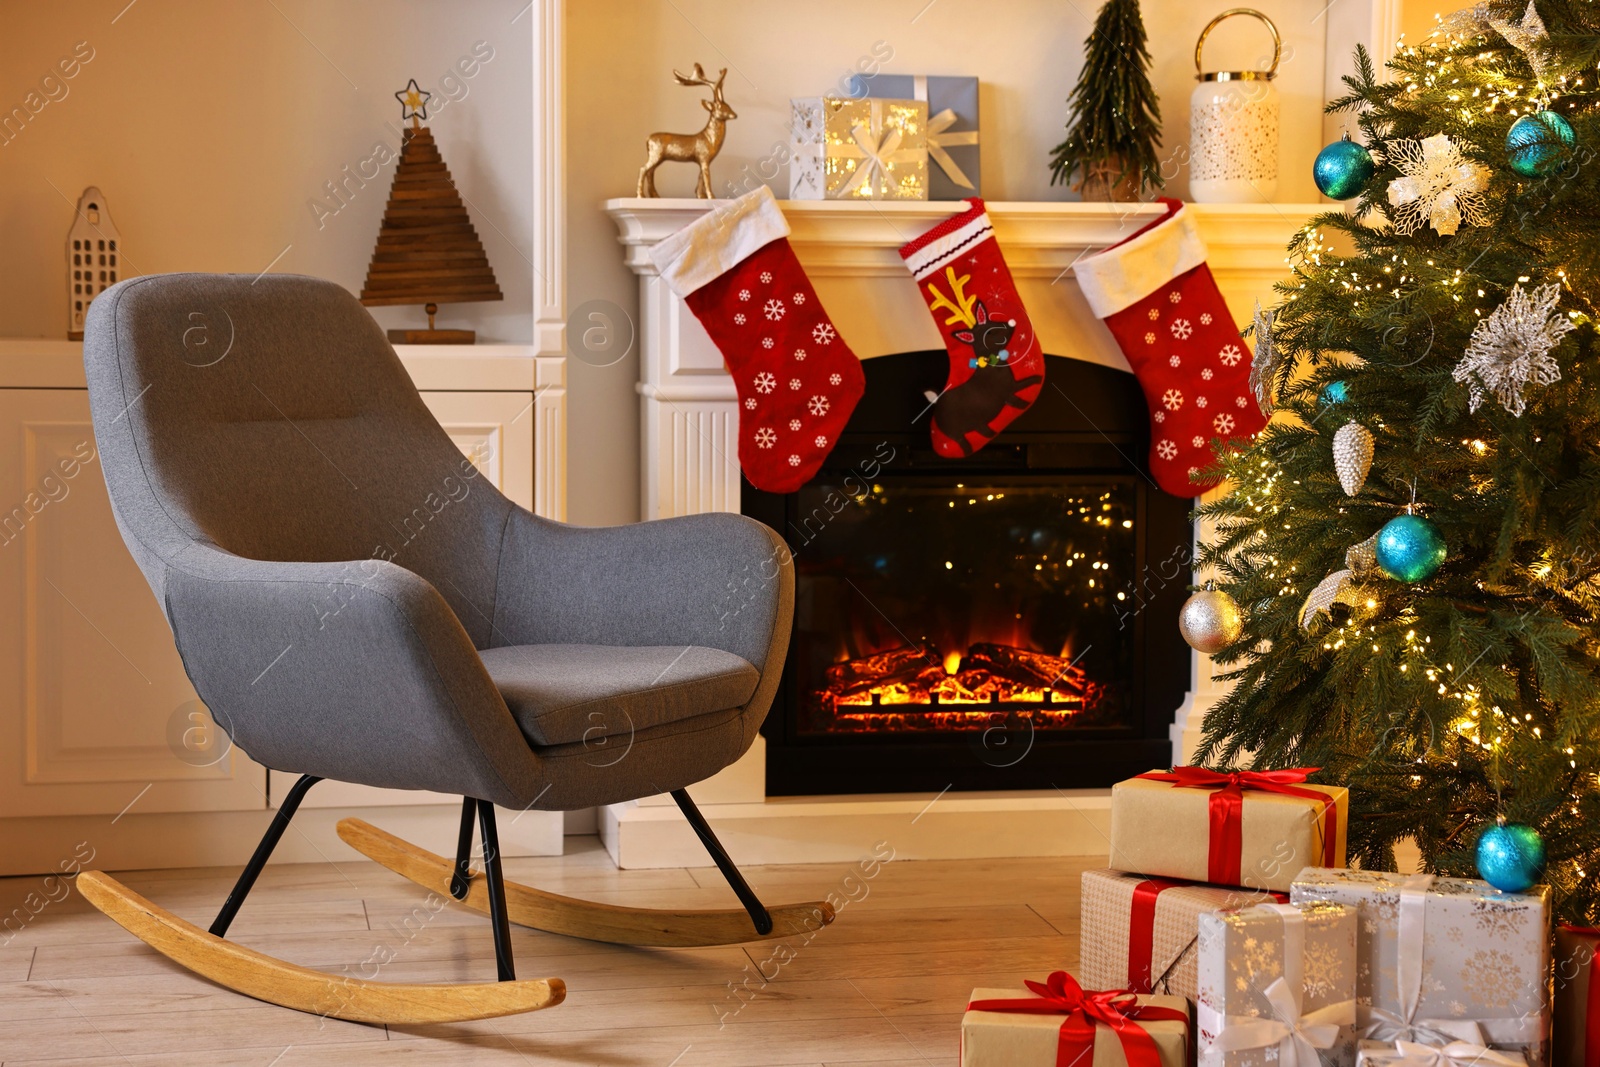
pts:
pixel 1040 237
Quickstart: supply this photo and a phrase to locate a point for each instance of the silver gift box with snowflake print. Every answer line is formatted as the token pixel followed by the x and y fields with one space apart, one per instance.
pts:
pixel 1277 986
pixel 1476 960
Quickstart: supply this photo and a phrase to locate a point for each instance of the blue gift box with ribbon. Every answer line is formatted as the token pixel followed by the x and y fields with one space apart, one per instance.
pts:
pixel 953 165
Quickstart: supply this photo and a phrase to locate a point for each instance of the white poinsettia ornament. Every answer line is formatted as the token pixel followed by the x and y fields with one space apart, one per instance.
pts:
pixel 1510 348
pixel 1440 186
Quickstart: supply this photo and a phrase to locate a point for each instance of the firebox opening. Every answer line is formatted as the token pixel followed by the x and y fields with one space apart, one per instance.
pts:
pixel 928 607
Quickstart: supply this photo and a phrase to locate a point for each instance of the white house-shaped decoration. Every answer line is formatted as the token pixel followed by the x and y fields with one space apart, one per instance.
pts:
pixel 94 257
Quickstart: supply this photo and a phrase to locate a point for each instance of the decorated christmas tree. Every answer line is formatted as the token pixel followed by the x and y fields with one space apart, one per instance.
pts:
pixel 1414 541
pixel 1114 126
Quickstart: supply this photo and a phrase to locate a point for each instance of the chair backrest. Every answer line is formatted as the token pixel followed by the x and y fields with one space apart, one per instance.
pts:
pixel 269 417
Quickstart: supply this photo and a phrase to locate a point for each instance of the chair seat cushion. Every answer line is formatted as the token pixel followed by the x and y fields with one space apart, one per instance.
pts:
pixel 560 694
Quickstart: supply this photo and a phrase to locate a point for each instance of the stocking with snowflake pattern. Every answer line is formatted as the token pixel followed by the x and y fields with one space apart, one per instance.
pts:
pixel 797 380
pixel 996 364
pixel 1156 295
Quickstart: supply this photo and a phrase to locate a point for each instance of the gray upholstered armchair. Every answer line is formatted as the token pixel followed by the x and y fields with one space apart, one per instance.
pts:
pixel 352 601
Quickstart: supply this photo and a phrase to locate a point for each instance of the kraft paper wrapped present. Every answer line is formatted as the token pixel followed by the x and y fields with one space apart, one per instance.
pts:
pixel 1445 959
pixel 1577 1007
pixel 1255 829
pixel 1138 933
pixel 1455 1054
pixel 1057 1023
pixel 954 171
pixel 1277 986
pixel 867 149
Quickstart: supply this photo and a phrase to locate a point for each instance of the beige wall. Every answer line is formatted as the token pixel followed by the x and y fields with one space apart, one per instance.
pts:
pixel 212 126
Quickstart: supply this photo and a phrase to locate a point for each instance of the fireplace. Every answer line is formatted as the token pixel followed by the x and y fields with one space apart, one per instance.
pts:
pixel 1003 621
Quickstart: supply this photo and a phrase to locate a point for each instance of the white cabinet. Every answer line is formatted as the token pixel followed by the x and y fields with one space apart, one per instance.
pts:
pixel 95 710
pixel 98 722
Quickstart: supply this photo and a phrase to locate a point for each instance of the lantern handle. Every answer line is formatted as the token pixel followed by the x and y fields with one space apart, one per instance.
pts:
pixel 1277 43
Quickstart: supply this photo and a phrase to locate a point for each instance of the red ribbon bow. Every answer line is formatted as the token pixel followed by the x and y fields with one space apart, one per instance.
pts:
pixel 1226 852
pixel 1061 994
pixel 1591 1025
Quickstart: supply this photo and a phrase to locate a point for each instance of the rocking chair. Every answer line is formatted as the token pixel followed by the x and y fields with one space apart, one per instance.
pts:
pixel 353 601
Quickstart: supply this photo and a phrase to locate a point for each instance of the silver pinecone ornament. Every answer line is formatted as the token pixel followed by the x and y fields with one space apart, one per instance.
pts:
pixel 1352 456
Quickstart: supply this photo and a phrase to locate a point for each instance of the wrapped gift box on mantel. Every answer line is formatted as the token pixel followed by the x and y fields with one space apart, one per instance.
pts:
pixel 954 171
pixel 858 149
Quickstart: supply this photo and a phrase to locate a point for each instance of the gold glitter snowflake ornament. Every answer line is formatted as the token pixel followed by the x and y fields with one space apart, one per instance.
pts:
pixel 1440 186
pixel 1510 348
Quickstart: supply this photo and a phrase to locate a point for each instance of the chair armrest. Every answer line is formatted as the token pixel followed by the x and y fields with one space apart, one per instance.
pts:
pixel 354 670
pixel 716 580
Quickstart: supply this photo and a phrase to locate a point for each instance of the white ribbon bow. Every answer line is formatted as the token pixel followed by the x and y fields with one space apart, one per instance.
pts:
pixel 939 139
pixel 876 152
pixel 1297 1036
pixel 1455 1054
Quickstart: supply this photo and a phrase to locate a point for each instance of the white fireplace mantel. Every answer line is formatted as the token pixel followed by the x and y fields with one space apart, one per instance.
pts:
pixel 689 426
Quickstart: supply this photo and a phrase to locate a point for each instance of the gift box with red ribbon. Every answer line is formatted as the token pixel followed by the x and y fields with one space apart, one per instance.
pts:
pixel 1254 829
pixel 1577 1006
pixel 1057 1023
pixel 1277 986
pixel 1139 933
pixel 1446 959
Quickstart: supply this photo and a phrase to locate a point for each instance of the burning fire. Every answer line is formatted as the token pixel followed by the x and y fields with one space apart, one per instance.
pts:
pixel 958 690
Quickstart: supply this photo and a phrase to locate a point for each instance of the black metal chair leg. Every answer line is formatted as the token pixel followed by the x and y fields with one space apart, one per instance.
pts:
pixel 747 896
pixel 461 879
pixel 497 892
pixel 269 841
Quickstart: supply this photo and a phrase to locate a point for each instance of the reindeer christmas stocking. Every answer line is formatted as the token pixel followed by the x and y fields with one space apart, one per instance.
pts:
pixel 797 381
pixel 1156 295
pixel 996 368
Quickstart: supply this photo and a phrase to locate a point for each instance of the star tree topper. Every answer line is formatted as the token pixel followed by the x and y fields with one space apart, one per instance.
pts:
pixel 1440 186
pixel 1510 349
pixel 413 101
pixel 1528 37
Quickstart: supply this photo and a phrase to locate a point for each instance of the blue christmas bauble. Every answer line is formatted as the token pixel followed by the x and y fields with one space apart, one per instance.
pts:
pixel 1342 169
pixel 1333 393
pixel 1511 857
pixel 1410 548
pixel 1536 143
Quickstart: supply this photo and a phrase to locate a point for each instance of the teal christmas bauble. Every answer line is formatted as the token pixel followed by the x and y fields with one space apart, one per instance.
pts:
pixel 1511 857
pixel 1410 548
pixel 1536 143
pixel 1333 393
pixel 1342 169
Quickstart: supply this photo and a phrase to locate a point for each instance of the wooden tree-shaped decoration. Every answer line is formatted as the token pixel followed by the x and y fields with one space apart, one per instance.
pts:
pixel 1115 124
pixel 427 251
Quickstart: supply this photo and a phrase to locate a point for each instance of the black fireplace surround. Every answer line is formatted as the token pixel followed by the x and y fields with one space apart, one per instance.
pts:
pixel 1002 621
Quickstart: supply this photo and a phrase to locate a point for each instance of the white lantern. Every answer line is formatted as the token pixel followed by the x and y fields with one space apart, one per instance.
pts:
pixel 1233 127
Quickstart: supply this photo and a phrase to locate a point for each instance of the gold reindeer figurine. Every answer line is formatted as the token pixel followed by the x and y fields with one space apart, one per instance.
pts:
pixel 700 147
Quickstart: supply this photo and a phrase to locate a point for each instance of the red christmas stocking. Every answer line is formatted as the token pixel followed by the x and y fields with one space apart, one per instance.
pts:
pixel 996 368
pixel 797 381
pixel 1158 298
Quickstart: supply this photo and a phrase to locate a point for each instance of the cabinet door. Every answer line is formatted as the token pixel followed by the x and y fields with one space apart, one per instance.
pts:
pixel 494 430
pixel 96 714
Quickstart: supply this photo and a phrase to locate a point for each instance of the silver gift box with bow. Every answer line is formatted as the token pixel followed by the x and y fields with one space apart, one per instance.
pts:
pixel 954 170
pixel 1277 986
pixel 843 149
pixel 1445 960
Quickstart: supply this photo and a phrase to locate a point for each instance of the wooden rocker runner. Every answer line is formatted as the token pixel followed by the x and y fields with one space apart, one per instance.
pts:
pixel 353 600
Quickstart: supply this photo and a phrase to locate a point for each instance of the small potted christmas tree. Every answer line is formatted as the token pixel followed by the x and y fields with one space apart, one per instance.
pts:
pixel 1115 124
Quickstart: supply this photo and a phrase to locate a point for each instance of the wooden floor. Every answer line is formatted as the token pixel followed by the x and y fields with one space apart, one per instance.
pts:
pixel 884 985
